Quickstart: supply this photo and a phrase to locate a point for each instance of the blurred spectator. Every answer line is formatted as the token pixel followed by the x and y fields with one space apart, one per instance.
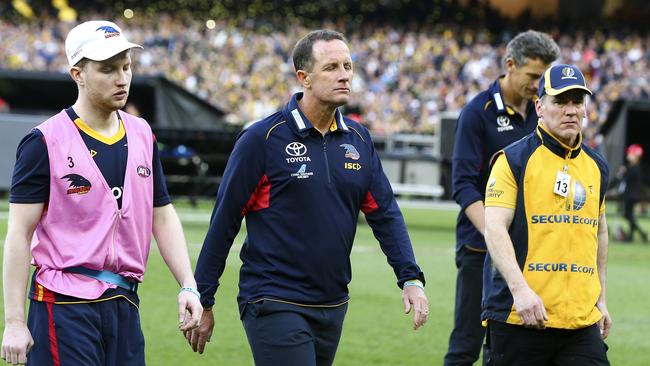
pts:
pixel 4 106
pixel 630 189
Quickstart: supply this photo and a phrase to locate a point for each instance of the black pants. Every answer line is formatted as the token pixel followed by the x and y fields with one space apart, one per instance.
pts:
pixel 292 335
pixel 467 336
pixel 516 345
pixel 628 212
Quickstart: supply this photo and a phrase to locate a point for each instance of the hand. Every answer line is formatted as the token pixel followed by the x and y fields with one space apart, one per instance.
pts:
pixel 199 336
pixel 16 343
pixel 530 308
pixel 414 295
pixel 605 323
pixel 189 310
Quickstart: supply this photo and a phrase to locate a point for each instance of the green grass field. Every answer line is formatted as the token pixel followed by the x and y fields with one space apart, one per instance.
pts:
pixel 376 331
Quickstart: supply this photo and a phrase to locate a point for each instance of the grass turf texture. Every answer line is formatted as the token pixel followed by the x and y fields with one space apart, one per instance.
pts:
pixel 376 332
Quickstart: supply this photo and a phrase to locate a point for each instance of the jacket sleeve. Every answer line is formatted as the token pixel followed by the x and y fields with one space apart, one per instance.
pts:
pixel 387 223
pixel 245 168
pixel 467 158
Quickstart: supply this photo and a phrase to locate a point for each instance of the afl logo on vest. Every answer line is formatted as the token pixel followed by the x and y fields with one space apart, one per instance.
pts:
pixel 143 171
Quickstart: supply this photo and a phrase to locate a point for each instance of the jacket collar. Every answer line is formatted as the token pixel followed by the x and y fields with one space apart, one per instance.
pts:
pixel 556 146
pixel 302 124
pixel 500 104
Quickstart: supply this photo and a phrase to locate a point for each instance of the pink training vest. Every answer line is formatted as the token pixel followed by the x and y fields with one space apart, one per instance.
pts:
pixel 81 225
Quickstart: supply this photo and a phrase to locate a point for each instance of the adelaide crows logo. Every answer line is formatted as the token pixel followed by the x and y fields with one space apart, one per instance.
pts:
pixel 78 184
pixel 350 151
pixel 108 31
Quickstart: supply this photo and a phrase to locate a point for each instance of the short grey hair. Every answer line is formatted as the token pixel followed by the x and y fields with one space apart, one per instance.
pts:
pixel 532 45
pixel 303 55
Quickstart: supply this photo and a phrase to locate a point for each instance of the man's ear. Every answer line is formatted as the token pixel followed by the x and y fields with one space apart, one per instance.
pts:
pixel 303 78
pixel 538 108
pixel 510 64
pixel 75 73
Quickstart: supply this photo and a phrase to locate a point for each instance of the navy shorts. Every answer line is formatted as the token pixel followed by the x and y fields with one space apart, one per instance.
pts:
pixel 101 333
pixel 292 335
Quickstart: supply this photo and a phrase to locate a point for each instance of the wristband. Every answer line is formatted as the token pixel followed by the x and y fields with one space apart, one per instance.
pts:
pixel 416 283
pixel 192 290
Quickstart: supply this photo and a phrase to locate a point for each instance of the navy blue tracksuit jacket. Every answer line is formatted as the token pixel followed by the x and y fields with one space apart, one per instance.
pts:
pixel 301 193
pixel 485 125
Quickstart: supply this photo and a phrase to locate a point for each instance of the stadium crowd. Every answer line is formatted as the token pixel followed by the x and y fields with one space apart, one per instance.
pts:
pixel 405 77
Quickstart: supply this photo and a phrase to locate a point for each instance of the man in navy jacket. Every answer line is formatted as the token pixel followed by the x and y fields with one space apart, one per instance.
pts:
pixel 300 177
pixel 495 118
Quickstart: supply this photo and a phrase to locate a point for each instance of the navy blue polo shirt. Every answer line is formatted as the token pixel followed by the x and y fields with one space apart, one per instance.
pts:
pixel 301 193
pixel 485 125
pixel 31 177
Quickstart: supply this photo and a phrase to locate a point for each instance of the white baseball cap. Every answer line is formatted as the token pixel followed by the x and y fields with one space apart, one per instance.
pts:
pixel 97 40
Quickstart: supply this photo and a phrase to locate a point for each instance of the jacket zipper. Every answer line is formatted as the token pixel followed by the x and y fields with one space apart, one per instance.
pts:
pixel 569 207
pixel 569 198
pixel 327 165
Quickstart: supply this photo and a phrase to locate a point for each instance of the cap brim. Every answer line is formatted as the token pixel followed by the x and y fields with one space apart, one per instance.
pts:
pixel 104 53
pixel 565 89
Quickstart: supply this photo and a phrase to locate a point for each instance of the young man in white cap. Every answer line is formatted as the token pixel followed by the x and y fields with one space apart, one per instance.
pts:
pixel 545 228
pixel 87 202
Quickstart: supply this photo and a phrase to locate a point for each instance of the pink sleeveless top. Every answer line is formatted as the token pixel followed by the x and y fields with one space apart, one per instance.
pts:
pixel 81 224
